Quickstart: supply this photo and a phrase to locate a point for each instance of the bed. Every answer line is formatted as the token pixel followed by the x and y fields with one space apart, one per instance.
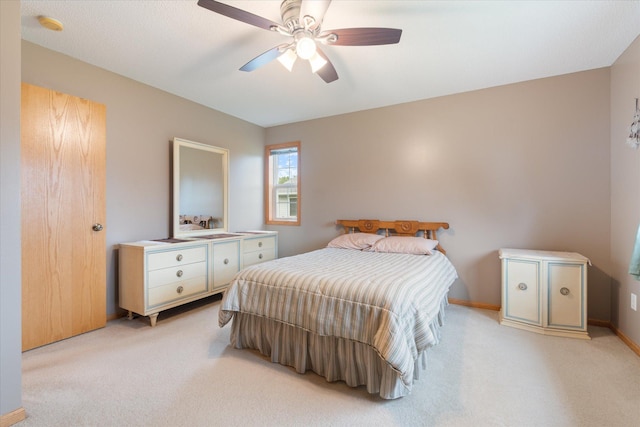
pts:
pixel 362 310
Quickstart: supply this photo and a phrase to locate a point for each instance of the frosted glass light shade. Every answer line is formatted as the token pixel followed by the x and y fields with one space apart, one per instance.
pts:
pixel 287 59
pixel 305 48
pixel 317 62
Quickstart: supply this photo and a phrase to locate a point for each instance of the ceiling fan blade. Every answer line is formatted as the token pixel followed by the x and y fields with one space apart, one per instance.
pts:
pixel 263 58
pixel 328 73
pixel 364 36
pixel 238 14
pixel 314 8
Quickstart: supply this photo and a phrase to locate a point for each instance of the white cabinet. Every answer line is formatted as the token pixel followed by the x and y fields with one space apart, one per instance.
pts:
pixel 544 292
pixel 158 275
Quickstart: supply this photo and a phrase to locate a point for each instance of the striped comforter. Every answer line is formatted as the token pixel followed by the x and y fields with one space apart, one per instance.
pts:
pixel 387 301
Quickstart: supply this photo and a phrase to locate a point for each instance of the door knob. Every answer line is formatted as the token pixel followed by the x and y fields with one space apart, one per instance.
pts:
pixel 97 227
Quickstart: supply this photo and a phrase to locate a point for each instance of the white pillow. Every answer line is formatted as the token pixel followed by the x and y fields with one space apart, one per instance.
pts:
pixel 356 241
pixel 405 245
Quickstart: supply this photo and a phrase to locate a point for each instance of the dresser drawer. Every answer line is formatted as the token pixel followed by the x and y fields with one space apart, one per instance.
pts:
pixel 258 256
pixel 179 273
pixel 259 243
pixel 175 291
pixel 176 257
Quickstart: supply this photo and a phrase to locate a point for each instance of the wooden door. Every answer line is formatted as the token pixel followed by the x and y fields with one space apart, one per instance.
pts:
pixel 63 144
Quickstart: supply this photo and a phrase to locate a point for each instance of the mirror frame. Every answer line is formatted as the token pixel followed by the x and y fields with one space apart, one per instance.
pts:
pixel 179 143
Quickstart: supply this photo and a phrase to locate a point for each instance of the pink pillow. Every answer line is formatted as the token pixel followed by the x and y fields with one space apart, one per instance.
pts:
pixel 405 245
pixel 356 241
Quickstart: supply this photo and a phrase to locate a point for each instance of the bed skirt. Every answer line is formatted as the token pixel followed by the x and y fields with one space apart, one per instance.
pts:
pixel 336 359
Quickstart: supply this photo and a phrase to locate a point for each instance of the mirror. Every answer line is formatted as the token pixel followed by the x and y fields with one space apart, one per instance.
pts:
pixel 199 188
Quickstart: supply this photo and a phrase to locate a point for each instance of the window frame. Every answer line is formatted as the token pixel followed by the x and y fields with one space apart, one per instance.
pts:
pixel 269 205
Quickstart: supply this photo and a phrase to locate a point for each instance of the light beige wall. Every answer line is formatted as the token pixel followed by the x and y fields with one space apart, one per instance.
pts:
pixel 141 121
pixel 524 165
pixel 10 271
pixel 625 189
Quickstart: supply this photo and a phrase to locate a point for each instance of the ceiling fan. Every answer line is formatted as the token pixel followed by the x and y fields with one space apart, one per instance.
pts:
pixel 301 20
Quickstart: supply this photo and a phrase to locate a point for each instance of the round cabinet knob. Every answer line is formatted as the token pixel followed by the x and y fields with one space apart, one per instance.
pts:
pixel 260 256
pixel 522 286
pixel 97 227
pixel 179 289
pixel 179 273
pixel 259 244
pixel 179 257
pixel 564 291
pixel 226 260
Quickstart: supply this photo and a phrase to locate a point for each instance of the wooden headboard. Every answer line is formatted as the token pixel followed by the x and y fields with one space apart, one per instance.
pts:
pixel 400 228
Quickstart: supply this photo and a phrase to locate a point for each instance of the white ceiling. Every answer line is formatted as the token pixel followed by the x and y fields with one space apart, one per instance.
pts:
pixel 446 47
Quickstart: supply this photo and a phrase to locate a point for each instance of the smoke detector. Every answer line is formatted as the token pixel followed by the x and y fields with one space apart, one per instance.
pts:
pixel 50 23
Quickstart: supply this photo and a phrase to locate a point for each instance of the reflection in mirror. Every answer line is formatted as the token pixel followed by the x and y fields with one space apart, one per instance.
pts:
pixel 200 174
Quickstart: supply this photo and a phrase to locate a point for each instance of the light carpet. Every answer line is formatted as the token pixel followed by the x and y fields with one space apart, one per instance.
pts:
pixel 183 373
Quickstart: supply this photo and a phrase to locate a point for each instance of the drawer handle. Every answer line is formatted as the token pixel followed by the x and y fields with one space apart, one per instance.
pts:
pixel 522 286
pixel 260 256
pixel 180 289
pixel 564 291
pixel 179 257
pixel 259 244
pixel 179 273
pixel 226 260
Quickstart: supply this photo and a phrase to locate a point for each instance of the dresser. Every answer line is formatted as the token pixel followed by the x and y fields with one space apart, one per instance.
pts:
pixel 544 292
pixel 155 275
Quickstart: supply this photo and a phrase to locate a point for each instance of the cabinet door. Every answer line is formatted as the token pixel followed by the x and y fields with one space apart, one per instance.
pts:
pixel 226 262
pixel 566 295
pixel 522 291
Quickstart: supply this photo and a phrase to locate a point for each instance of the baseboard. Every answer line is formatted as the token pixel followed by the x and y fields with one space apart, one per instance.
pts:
pixel 474 304
pixel 13 417
pixel 625 339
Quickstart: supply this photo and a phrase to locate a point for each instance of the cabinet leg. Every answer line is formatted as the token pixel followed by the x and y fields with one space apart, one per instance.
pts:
pixel 130 315
pixel 153 318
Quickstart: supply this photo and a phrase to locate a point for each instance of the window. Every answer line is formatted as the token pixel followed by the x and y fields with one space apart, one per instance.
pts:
pixel 282 183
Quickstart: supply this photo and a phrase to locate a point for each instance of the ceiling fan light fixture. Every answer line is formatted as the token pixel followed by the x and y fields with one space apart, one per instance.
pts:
pixel 287 59
pixel 317 62
pixel 302 21
pixel 305 47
